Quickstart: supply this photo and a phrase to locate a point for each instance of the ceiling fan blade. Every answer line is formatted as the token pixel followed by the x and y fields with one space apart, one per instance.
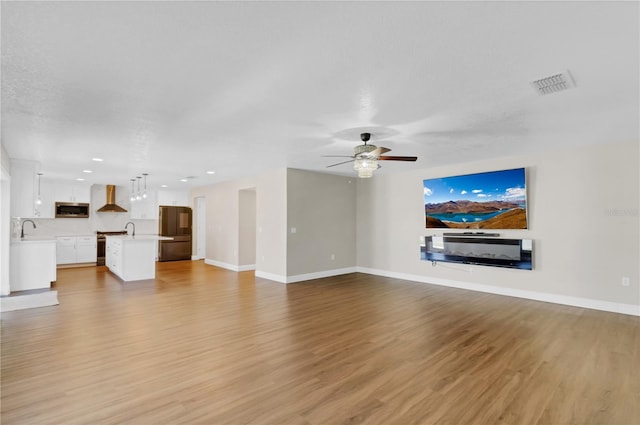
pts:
pixel 337 156
pixel 375 153
pixel 340 163
pixel 397 158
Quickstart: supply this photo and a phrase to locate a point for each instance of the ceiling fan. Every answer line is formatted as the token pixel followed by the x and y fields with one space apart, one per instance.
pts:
pixel 365 158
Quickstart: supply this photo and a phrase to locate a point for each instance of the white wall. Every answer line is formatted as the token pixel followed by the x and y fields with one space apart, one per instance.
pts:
pixel 583 218
pixel 322 209
pixel 222 221
pixel 247 228
pixel 223 215
pixel 5 220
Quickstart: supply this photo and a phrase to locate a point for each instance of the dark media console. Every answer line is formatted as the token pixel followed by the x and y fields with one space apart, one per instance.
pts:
pixel 480 249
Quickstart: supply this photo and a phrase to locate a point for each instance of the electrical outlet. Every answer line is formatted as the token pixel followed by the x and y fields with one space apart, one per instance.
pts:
pixel 294 230
pixel 625 281
pixel 333 256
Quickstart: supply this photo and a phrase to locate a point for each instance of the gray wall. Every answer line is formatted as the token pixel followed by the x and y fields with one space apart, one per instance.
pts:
pixel 322 209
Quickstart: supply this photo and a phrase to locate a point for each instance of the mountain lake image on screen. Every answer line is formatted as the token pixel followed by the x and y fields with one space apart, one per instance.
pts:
pixel 491 200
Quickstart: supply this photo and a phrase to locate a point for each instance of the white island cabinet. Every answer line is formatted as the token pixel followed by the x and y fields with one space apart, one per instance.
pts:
pixel 33 264
pixel 132 257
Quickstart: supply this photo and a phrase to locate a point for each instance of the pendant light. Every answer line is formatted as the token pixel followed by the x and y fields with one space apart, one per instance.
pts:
pixel 138 197
pixel 39 198
pixel 133 196
pixel 144 194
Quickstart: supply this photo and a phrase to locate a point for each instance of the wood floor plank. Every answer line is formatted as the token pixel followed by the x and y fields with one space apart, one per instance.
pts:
pixel 203 345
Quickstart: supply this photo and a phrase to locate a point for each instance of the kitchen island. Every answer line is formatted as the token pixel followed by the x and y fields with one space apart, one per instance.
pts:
pixel 132 257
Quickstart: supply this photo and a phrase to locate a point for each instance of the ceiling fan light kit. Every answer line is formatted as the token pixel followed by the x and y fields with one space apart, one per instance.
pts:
pixel 365 167
pixel 365 157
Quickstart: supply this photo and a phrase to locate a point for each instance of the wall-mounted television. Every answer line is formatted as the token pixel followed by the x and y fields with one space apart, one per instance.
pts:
pixel 491 200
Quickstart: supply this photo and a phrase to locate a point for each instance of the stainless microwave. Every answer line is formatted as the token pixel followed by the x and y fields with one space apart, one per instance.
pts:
pixel 72 210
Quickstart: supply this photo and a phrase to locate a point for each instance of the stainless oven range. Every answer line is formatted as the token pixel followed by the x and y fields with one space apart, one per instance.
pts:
pixel 102 244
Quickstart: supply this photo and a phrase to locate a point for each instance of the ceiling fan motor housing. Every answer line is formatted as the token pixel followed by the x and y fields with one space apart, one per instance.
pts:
pixel 360 149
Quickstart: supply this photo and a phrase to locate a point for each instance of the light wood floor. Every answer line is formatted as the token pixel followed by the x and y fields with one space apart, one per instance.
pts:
pixel 204 345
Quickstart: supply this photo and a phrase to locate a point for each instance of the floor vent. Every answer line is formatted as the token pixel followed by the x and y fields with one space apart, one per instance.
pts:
pixel 553 83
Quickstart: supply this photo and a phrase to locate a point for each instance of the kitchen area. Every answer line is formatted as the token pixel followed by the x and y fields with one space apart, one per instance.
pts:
pixel 57 224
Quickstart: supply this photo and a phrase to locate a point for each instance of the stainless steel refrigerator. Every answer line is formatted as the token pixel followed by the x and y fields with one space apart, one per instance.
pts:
pixel 175 222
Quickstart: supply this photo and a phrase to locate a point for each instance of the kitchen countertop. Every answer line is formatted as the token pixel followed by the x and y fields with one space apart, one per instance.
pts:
pixel 33 239
pixel 141 237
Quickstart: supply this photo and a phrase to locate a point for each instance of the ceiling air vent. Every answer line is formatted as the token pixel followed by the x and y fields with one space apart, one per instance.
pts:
pixel 554 83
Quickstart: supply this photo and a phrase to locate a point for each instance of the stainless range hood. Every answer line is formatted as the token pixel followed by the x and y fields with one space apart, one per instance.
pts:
pixel 111 205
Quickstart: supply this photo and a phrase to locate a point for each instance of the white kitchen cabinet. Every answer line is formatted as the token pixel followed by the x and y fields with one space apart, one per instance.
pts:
pixel 173 198
pixel 47 207
pixel 65 250
pixel 145 209
pixel 67 191
pixel 86 249
pixel 24 188
pixel 33 264
pixel 114 255
pixel 76 249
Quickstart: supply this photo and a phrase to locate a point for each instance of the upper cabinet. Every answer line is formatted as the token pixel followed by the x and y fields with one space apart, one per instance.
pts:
pixel 78 192
pixel 145 209
pixel 177 198
pixel 27 187
pixel 34 195
pixel 46 207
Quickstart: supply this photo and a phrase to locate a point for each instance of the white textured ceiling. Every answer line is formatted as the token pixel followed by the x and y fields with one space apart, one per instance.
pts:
pixel 174 89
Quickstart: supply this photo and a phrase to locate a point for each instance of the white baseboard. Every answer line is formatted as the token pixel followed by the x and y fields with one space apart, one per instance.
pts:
pixel 306 276
pixel 630 309
pixel 21 302
pixel 271 276
pixel 319 275
pixel 228 266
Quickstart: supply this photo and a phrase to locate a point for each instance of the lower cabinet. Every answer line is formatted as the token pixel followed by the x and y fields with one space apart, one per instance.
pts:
pixel 32 265
pixel 113 255
pixel 76 249
pixel 86 249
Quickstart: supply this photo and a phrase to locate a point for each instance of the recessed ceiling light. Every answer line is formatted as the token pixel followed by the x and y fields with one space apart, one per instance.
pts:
pixel 87 171
pixel 184 180
pixel 80 179
pixel 211 172
pixel 97 159
pixel 163 185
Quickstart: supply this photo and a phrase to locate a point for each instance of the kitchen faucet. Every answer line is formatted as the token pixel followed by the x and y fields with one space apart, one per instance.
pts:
pixel 22 230
pixel 134 227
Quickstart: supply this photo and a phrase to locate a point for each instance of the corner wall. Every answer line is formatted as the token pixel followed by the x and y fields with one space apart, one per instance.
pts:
pixel 583 217
pixel 223 222
pixel 322 210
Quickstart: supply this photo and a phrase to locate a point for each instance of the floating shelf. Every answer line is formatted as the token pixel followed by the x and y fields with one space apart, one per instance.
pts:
pixel 491 251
